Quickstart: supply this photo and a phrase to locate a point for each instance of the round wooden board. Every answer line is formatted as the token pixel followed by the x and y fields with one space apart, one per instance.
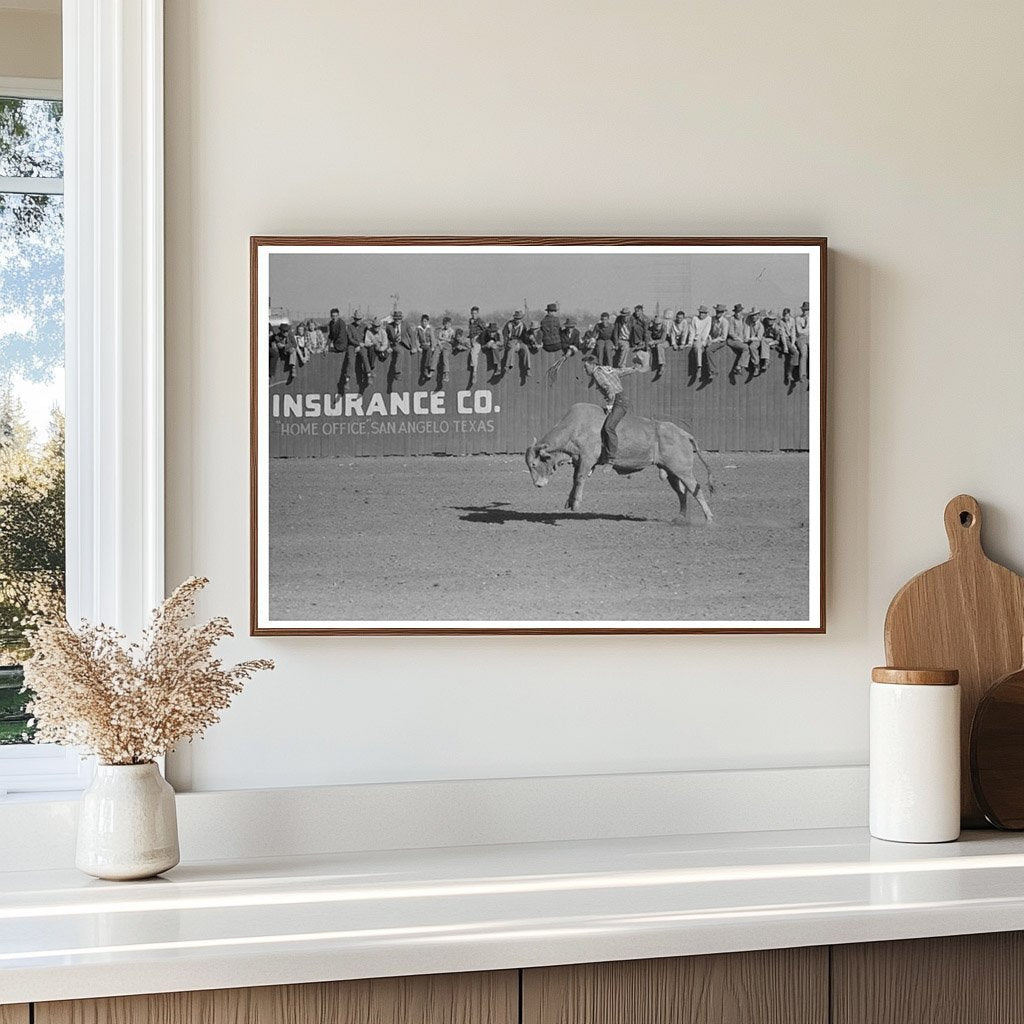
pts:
pixel 997 752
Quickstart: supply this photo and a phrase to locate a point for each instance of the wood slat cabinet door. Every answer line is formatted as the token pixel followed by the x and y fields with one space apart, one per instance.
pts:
pixel 14 1014
pixel 778 986
pixel 481 998
pixel 960 979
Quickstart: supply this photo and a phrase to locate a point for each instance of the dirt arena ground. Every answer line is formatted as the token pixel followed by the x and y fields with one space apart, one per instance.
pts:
pixel 472 538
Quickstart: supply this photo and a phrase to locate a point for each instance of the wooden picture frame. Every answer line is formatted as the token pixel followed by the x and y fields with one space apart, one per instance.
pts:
pixel 320 543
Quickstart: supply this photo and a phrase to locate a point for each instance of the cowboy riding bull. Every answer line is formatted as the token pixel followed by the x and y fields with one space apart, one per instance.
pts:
pixel 641 442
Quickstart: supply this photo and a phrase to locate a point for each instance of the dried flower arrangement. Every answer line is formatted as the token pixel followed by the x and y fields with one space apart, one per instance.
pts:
pixel 130 703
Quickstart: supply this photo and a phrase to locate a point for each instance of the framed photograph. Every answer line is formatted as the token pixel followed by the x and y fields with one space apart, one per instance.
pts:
pixel 537 435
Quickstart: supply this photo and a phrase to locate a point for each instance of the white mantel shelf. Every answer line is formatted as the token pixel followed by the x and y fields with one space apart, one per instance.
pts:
pixel 225 924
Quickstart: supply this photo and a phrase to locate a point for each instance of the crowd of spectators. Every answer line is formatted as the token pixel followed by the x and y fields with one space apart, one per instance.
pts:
pixel 385 349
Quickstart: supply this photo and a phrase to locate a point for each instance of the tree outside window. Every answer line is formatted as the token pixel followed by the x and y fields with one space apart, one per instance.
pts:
pixel 32 541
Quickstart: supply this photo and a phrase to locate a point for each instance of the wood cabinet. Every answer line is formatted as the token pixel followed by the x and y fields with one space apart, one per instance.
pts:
pixel 491 998
pixel 962 979
pixel 778 986
pixel 971 979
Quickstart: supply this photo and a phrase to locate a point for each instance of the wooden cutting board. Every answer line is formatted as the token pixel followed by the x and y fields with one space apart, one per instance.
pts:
pixel 967 614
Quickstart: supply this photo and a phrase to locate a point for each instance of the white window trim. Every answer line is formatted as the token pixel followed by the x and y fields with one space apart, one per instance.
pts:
pixel 32 88
pixel 114 326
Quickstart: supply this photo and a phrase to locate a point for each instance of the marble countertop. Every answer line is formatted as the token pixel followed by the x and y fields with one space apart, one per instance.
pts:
pixel 223 924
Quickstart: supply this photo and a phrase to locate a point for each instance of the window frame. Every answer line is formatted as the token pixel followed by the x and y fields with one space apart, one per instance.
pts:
pixel 112 90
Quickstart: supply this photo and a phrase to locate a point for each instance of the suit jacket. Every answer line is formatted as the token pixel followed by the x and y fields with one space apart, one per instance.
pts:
pixel 337 335
pixel 640 331
pixel 402 336
pixel 570 337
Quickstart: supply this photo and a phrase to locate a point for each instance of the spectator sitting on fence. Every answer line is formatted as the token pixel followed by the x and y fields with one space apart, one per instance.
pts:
pixel 528 345
pixel 528 348
pixel 571 340
pixel 700 334
pixel 476 330
pixel 658 331
pixel 623 331
pixel 490 342
pixel 286 347
pixel 640 329
pixel 757 345
pixel 312 337
pixel 337 332
pixel 736 341
pixel 802 341
pixel 551 329
pixel 719 334
pixel 533 340
pixel 354 360
pixel 588 342
pixel 301 346
pixel 402 340
pixel 476 325
pixel 277 351
pixel 513 334
pixel 786 328
pixel 376 347
pixel 424 345
pixel 771 333
pixel 677 332
pixel 441 357
pixel 604 340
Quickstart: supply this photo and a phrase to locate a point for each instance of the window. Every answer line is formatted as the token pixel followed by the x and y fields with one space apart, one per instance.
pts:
pixel 32 530
pixel 111 205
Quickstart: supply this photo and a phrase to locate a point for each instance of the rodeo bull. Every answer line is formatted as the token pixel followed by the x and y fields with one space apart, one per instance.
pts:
pixel 576 438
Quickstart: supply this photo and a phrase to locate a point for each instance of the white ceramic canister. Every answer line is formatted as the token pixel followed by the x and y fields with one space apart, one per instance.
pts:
pixel 915 755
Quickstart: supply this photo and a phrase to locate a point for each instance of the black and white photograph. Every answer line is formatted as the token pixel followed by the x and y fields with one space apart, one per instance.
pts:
pixel 557 435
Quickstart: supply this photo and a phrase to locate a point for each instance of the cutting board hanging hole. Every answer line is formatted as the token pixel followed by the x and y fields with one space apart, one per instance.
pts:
pixel 963 526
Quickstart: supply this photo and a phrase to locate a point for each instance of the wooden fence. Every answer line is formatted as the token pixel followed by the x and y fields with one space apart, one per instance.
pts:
pixel 759 414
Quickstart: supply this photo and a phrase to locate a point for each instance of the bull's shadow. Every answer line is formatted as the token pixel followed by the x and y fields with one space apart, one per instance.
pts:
pixel 499 513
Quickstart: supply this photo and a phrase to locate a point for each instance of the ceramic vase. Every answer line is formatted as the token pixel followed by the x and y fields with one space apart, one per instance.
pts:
pixel 127 825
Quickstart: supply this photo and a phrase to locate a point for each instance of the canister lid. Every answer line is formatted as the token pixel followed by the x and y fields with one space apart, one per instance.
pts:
pixel 916 676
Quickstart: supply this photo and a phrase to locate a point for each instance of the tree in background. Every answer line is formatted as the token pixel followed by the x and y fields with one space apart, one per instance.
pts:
pixel 31 350
pixel 32 570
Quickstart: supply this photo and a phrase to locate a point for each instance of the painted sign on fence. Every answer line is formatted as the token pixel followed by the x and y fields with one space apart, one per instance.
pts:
pixel 308 417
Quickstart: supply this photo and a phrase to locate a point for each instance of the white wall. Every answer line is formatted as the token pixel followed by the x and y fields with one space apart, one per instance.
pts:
pixel 30 41
pixel 895 129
